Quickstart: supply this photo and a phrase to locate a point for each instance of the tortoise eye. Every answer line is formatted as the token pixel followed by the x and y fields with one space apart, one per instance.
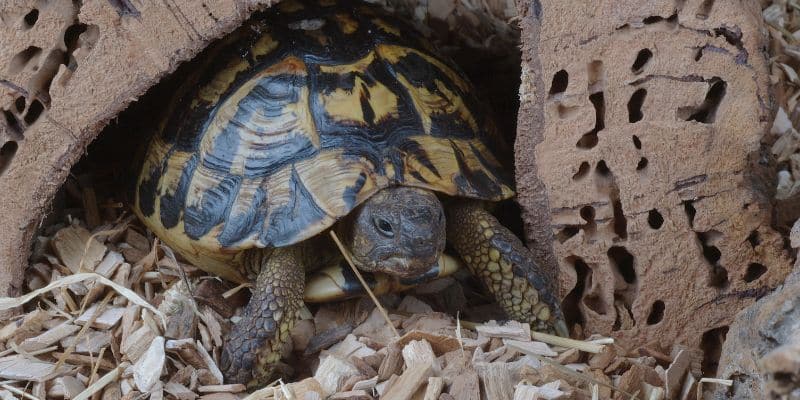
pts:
pixel 384 227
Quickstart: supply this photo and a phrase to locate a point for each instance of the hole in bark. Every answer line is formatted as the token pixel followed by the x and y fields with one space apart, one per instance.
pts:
pixel 567 232
pixel 583 169
pixel 587 213
pixel 623 261
pixel 711 344
pixel 71 36
pixel 31 18
pixel 570 305
pixel 23 58
pixel 620 222
pixel 642 58
pixel 6 154
pixel 589 139
pixel 654 219
pixel 34 111
pixel 19 103
pixel 704 10
pixel 637 143
pixel 12 122
pixel 656 313
pixel 635 107
pixel 706 112
pixel 602 169
pixel 698 54
pixel 754 271
pixel 732 35
pixel 560 82
pixel 594 302
pixel 754 238
pixel 690 211
pixel 718 275
pixel 642 164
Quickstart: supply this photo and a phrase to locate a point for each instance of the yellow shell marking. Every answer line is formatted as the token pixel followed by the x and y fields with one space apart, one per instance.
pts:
pixel 265 45
pixel 386 27
pixel 346 23
pixel 211 92
pixel 345 105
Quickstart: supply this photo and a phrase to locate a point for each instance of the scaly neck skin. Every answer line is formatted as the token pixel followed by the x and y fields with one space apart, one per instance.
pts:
pixel 399 231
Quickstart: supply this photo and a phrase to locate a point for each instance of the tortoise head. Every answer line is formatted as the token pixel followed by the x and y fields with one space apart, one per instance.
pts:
pixel 399 231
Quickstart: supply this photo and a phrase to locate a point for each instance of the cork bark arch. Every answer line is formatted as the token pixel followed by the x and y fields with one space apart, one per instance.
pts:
pixel 66 68
pixel 638 151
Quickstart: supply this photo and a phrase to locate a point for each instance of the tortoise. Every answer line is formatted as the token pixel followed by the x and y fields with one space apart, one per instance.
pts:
pixel 321 115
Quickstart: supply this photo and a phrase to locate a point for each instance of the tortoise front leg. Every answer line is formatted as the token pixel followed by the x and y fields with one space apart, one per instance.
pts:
pixel 253 348
pixel 495 255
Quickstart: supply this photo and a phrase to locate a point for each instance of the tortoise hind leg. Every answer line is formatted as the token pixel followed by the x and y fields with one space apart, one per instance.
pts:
pixel 507 268
pixel 253 348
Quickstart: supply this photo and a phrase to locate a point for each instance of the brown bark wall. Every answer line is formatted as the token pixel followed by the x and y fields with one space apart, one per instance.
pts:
pixel 639 138
pixel 64 72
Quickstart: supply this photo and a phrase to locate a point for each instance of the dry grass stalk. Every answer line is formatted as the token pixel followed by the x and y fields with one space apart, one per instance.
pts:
pixel 349 260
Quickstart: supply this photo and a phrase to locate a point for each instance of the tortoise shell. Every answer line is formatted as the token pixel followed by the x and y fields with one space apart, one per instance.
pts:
pixel 290 122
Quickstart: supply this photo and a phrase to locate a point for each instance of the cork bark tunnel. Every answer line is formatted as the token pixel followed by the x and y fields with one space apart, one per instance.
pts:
pixel 638 129
pixel 638 144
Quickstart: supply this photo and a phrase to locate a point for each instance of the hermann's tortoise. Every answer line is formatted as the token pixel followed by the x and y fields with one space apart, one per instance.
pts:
pixel 317 116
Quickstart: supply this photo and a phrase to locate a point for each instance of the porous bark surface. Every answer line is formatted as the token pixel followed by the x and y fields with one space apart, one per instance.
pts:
pixel 637 156
pixel 65 70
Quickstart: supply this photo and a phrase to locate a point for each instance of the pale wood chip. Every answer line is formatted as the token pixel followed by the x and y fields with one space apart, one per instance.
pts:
pixel 107 319
pixel 496 381
pixel 351 395
pixel 413 305
pixel 538 348
pixel 109 264
pixel 408 383
pixel 147 370
pixel 48 337
pixel 231 388
pixel 70 243
pixel 465 386
pixel 418 353
pixel 23 369
pixel 210 364
pixel 509 330
pixel 332 373
pixel 434 389
pixel 91 342
pixel 135 344
pixel 179 391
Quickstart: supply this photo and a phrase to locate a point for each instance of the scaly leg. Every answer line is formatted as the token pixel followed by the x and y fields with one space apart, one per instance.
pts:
pixel 254 345
pixel 505 265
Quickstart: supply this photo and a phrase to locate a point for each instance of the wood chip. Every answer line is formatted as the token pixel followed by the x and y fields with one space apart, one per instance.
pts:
pixel 85 360
pixel 510 330
pixel 23 369
pixel 231 388
pixel 351 395
pixel 332 373
pixel 496 381
pixel 408 383
pixel 537 348
pixel 465 386
pixel 135 344
pixel 434 389
pixel 69 244
pixel 179 391
pixel 49 337
pixel 391 364
pixel 419 352
pixel 92 342
pixel 147 370
pixel 109 317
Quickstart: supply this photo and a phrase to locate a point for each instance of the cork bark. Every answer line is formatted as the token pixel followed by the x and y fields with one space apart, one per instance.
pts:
pixel 65 70
pixel 638 152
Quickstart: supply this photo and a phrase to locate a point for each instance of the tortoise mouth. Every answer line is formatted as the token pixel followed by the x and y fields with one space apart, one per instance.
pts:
pixel 402 267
